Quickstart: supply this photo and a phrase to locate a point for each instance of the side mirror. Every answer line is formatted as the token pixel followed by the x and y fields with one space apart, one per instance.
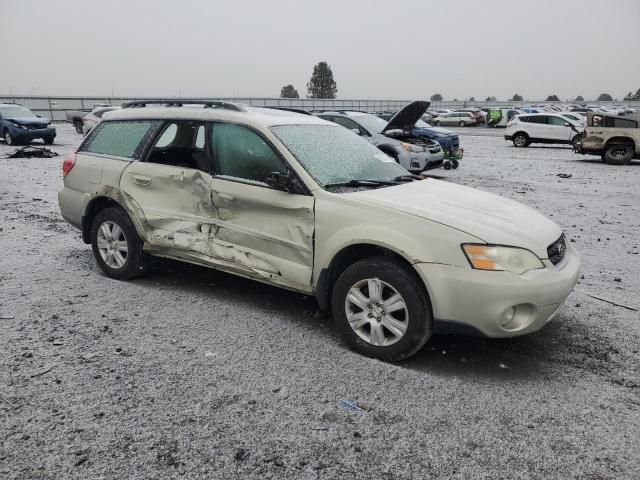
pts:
pixel 567 124
pixel 38 116
pixel 356 131
pixel 279 180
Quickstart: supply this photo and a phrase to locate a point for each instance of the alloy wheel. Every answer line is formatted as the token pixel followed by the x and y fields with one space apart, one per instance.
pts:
pixel 112 244
pixel 376 312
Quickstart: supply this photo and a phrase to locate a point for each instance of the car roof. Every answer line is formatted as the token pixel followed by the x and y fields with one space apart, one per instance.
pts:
pixel 255 116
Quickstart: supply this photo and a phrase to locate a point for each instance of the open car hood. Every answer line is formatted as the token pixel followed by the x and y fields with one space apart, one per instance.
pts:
pixel 406 118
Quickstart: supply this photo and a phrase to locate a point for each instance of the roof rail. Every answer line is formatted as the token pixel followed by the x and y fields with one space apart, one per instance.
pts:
pixel 333 110
pixel 290 109
pixel 173 102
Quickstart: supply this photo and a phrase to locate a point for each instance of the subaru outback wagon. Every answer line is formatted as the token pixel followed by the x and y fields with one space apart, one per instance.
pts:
pixel 301 203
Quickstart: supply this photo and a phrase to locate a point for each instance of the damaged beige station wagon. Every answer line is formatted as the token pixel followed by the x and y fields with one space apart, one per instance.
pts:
pixel 301 203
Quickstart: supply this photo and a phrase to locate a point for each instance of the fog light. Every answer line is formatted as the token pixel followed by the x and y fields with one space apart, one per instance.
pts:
pixel 507 316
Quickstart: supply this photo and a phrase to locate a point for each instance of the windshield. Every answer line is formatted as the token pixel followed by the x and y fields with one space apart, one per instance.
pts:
pixel 334 155
pixel 370 122
pixel 16 112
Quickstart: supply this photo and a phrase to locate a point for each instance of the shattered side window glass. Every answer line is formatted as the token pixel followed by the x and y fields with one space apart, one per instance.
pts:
pixel 333 154
pixel 167 136
pixel 200 137
pixel 117 138
pixel 242 153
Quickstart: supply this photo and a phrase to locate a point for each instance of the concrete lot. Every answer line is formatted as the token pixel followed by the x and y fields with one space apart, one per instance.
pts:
pixel 193 372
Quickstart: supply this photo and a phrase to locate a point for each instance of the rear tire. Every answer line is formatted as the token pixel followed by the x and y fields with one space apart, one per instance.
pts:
pixel 381 309
pixel 462 124
pixel 78 126
pixel 520 140
pixel 48 140
pixel 620 154
pixel 116 245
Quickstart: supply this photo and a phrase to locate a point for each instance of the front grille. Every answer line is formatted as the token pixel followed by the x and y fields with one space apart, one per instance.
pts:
pixel 557 250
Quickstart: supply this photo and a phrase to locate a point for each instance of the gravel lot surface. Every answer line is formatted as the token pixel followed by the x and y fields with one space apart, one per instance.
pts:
pixel 195 373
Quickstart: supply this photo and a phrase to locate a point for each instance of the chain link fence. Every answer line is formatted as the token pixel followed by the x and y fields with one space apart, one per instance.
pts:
pixel 56 108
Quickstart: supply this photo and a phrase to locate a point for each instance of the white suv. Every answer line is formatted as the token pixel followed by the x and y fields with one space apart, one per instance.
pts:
pixel 301 203
pixel 524 130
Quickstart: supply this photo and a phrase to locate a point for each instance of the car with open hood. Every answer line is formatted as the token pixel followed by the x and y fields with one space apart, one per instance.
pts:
pixel 297 202
pixel 448 139
pixel 395 137
pixel 19 125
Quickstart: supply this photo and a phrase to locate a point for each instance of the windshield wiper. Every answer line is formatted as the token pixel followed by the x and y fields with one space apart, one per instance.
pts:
pixel 408 178
pixel 362 183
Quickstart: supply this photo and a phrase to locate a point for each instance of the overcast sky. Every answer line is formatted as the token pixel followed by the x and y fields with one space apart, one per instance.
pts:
pixel 377 49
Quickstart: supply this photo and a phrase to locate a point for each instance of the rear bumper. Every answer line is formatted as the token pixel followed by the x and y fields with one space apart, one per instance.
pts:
pixel 480 301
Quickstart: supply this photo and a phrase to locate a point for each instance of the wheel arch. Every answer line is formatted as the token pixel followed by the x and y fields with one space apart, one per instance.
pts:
pixel 621 140
pixel 347 256
pixel 95 206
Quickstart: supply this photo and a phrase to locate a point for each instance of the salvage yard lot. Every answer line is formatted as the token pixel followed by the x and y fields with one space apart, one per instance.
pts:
pixel 196 372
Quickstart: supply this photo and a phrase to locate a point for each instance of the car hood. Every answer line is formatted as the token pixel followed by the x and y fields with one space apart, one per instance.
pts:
pixel 491 218
pixel 406 118
pixel 30 121
pixel 437 130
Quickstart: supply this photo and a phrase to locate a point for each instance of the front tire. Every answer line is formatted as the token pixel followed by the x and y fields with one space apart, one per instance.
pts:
pixel 48 140
pixel 521 140
pixel 462 124
pixel 116 245
pixel 381 309
pixel 619 154
pixel 9 139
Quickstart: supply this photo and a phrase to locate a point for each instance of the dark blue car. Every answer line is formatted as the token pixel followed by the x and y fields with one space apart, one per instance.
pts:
pixel 19 125
pixel 448 139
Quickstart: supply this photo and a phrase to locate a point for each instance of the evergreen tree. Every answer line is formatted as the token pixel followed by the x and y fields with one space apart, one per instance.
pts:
pixel 553 98
pixel 517 98
pixel 490 99
pixel 321 84
pixel 288 91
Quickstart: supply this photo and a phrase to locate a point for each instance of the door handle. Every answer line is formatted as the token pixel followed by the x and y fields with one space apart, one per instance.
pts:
pixel 226 196
pixel 141 179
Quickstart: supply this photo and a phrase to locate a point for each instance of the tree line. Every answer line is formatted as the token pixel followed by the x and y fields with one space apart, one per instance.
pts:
pixel 322 85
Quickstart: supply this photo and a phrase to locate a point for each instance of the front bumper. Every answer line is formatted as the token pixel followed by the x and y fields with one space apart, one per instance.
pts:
pixel 508 137
pixel 419 162
pixel 26 135
pixel 481 300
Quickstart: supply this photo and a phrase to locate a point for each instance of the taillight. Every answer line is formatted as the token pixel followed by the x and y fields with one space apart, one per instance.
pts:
pixel 68 164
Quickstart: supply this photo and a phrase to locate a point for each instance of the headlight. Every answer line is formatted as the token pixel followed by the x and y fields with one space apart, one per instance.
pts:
pixel 412 148
pixel 498 258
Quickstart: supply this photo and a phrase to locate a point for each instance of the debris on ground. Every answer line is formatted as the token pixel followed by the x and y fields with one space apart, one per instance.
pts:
pixel 32 152
pixel 355 406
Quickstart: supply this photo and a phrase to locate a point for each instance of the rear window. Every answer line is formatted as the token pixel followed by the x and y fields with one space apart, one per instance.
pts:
pixel 614 122
pixel 118 138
